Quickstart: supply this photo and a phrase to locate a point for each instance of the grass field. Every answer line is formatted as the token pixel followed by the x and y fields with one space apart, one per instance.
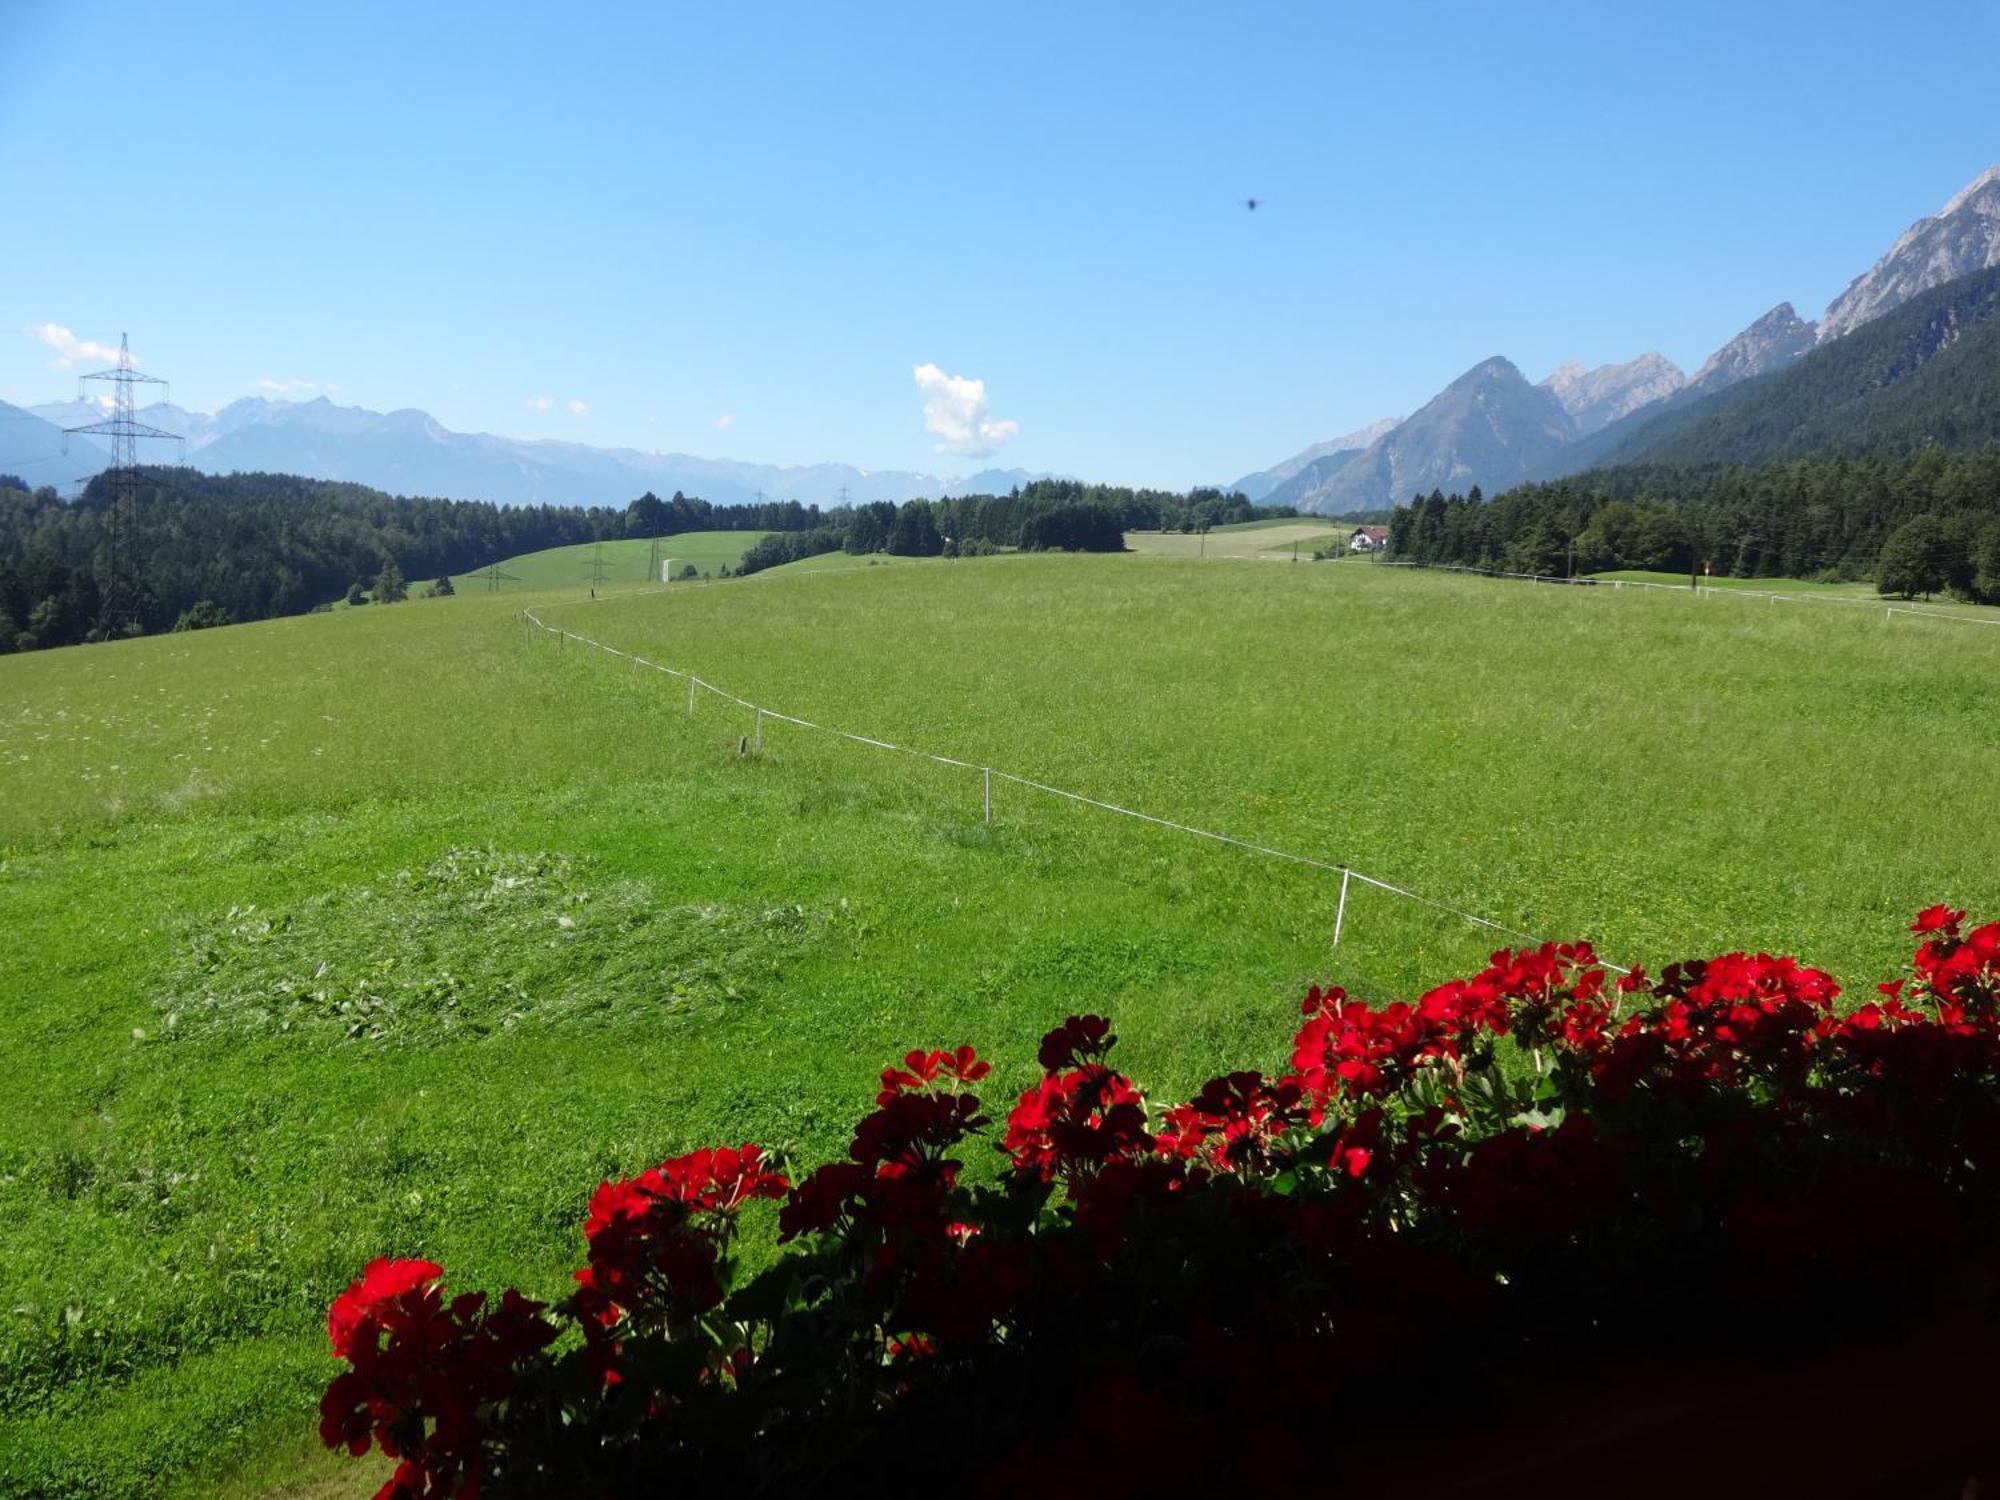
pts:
pixel 1834 593
pixel 394 930
pixel 626 561
pixel 1762 585
pixel 1252 539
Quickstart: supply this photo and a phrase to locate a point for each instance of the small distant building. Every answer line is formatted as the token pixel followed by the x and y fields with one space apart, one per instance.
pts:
pixel 1368 539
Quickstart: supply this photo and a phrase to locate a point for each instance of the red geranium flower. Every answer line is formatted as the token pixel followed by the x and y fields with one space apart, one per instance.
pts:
pixel 382 1282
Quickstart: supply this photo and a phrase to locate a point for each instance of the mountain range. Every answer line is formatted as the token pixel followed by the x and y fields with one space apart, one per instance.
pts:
pixel 409 452
pixel 1491 428
pixel 1923 375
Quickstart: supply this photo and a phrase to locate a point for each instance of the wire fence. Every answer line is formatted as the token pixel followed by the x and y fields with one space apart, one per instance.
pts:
pixel 1700 590
pixel 754 741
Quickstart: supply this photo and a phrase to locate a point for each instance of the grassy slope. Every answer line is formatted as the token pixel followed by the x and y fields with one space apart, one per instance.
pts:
pixel 1835 593
pixel 1251 539
pixel 624 561
pixel 175 1214
pixel 1763 585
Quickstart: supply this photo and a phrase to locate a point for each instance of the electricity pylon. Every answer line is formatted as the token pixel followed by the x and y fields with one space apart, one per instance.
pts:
pixel 493 576
pixel 125 430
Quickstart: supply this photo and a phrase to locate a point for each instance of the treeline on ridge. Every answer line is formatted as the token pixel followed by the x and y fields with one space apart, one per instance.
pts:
pixel 1921 524
pixel 1042 516
pixel 252 546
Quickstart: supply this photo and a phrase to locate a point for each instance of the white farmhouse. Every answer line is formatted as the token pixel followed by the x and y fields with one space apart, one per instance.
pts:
pixel 1368 539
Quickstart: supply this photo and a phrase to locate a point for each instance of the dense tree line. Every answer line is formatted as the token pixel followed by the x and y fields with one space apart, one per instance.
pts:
pixel 1810 518
pixel 1046 515
pixel 649 515
pixel 199 549
pixel 791 546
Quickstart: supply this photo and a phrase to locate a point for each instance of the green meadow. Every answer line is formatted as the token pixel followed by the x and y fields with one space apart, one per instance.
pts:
pixel 626 561
pixel 1249 539
pixel 393 930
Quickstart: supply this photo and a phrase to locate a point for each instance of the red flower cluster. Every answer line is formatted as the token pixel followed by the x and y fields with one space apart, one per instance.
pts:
pixel 1518 1157
pixel 657 1240
pixel 1726 1020
pixel 900 1170
pixel 423 1373
pixel 1960 975
pixel 1081 1115
pixel 1233 1124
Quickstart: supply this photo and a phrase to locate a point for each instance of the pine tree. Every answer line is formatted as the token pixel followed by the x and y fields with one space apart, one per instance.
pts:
pixel 1912 559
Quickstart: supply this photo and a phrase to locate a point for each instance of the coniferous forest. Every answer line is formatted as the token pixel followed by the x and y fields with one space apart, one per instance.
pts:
pixel 1923 524
pixel 199 548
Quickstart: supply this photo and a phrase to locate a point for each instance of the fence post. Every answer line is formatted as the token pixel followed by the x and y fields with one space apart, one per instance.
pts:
pixel 1340 915
pixel 691 683
pixel 989 794
pixel 757 740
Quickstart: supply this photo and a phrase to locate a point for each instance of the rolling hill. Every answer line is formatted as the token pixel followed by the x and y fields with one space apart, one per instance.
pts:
pixel 628 560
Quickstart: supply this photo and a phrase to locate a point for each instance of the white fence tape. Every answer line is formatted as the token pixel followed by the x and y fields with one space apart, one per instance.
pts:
pixel 1706 590
pixel 989 774
pixel 1932 614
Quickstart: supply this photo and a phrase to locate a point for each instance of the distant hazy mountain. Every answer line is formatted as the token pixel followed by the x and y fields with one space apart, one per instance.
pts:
pixel 1964 236
pixel 408 452
pixel 1489 427
pixel 1595 398
pixel 31 449
pixel 1259 485
pixel 986 482
pixel 197 427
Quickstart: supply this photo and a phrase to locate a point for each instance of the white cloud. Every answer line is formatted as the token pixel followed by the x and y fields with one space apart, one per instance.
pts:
pixel 294 387
pixel 69 348
pixel 539 403
pixel 726 421
pixel 578 407
pixel 955 410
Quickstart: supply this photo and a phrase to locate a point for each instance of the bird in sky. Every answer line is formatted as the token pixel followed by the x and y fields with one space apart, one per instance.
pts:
pixel 1251 204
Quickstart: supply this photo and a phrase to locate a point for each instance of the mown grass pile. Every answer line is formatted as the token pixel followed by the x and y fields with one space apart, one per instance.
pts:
pixel 206 1131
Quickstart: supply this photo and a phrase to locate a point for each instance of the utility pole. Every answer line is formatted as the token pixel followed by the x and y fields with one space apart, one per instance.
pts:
pixel 596 566
pixel 125 430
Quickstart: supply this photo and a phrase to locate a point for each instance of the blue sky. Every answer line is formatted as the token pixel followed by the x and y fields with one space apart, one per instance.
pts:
pixel 739 230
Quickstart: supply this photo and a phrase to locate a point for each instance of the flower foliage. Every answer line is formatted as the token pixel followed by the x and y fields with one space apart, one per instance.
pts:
pixel 1129 1296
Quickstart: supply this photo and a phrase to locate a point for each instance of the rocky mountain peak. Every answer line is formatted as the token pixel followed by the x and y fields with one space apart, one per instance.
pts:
pixel 1596 398
pixel 1974 190
pixel 1962 237
pixel 1770 343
